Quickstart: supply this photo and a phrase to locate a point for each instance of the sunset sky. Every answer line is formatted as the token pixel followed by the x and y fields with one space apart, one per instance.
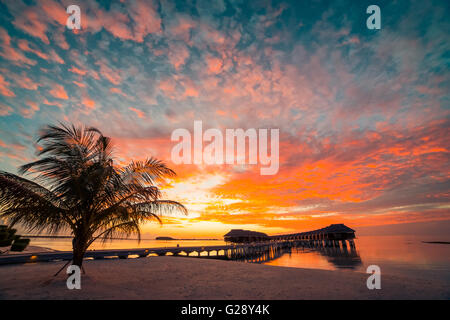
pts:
pixel 363 114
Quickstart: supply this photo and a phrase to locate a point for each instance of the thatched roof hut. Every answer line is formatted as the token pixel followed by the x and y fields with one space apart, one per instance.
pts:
pixel 332 232
pixel 241 236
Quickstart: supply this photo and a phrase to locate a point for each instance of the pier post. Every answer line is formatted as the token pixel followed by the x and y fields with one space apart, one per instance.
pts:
pixel 351 243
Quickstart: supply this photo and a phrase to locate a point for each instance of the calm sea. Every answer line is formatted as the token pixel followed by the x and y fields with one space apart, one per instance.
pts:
pixel 397 255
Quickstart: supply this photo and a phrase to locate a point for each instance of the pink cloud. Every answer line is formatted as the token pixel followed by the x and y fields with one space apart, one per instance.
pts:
pixel 88 102
pixel 428 90
pixel 214 64
pixel 25 46
pixel 4 88
pixel 30 111
pixel 78 71
pixel 54 11
pixel 52 103
pixel 31 21
pixel 145 18
pixel 139 113
pixel 81 85
pixel 118 91
pixel 60 40
pixel 5 110
pixel 109 74
pixel 139 20
pixel 59 92
pixel 117 24
pixel 23 81
pixel 10 53
pixel 178 54
pixel 55 57
pixel 190 88
pixel 182 30
pixel 167 86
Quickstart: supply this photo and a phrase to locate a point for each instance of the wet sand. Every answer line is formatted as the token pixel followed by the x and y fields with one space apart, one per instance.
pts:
pixel 192 278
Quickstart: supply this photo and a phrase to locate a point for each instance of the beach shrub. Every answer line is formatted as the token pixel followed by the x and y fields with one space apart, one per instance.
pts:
pixel 5 243
pixel 8 237
pixel 20 244
pixel 4 235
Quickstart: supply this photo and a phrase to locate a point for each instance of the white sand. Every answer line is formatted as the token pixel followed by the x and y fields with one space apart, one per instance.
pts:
pixel 191 278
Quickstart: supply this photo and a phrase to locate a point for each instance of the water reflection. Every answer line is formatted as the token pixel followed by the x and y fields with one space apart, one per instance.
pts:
pixel 341 257
pixel 267 255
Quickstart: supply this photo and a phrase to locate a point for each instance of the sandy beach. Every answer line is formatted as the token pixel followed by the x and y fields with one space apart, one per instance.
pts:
pixel 192 278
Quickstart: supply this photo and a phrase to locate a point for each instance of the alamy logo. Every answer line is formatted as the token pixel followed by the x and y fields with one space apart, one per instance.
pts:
pixel 74 280
pixel 74 20
pixel 374 281
pixel 374 20
pixel 220 151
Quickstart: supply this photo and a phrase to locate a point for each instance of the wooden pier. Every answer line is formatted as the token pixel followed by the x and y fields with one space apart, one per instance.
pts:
pixel 230 252
pixel 256 251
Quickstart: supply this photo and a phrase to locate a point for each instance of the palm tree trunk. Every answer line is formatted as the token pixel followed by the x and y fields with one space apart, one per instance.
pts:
pixel 78 256
pixel 78 251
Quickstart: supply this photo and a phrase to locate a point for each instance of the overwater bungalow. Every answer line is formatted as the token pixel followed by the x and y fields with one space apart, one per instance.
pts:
pixel 334 232
pixel 245 236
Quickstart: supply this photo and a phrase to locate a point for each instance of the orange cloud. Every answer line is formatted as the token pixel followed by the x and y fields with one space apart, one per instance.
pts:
pixel 5 110
pixel 109 74
pixel 4 88
pixel 25 46
pixel 30 21
pixel 79 84
pixel 118 91
pixel 30 111
pixel 178 54
pixel 214 64
pixel 139 113
pixel 78 71
pixel 59 92
pixel 9 53
pixel 88 102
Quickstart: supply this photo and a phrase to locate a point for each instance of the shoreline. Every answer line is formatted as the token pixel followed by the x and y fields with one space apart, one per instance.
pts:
pixel 28 249
pixel 178 278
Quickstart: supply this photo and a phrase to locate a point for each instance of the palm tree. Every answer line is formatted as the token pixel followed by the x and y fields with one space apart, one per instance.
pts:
pixel 78 187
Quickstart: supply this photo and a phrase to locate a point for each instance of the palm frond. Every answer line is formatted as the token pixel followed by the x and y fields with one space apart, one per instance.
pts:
pixel 160 207
pixel 149 171
pixel 35 207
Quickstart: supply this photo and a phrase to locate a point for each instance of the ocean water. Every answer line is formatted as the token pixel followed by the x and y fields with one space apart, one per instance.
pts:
pixel 397 255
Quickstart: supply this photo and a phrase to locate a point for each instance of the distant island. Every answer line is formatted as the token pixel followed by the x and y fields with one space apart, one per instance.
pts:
pixel 437 242
pixel 170 238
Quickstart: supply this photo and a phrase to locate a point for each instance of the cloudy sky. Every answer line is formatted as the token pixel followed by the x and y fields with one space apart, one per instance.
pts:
pixel 363 114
